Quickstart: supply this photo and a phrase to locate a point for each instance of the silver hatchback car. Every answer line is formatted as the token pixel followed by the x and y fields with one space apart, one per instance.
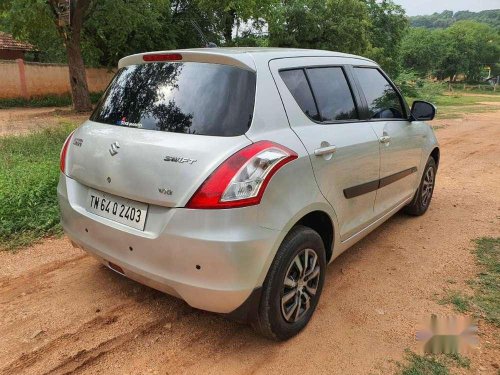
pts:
pixel 231 177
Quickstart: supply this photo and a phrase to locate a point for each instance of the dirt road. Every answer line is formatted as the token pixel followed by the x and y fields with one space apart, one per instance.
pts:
pixel 60 311
pixel 17 121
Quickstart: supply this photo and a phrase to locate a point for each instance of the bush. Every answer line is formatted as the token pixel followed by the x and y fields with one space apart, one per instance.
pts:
pixel 413 87
pixel 29 172
pixel 407 82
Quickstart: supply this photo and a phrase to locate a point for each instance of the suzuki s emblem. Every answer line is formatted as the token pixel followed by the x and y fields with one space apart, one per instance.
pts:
pixel 114 148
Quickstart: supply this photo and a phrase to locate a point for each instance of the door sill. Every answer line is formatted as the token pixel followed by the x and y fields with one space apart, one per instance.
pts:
pixel 363 232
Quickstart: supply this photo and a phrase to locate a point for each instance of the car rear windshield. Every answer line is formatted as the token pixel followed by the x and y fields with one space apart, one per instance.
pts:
pixel 190 98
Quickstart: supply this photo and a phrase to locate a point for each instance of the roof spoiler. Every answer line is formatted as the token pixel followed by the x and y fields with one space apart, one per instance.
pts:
pixel 208 55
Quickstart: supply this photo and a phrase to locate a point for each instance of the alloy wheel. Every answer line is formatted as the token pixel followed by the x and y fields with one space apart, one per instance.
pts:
pixel 300 285
pixel 428 186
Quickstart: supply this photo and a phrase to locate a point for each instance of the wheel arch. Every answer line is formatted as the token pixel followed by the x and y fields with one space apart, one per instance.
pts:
pixel 322 223
pixel 436 154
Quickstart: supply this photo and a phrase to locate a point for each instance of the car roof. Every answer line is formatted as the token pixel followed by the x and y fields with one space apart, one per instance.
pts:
pixel 243 57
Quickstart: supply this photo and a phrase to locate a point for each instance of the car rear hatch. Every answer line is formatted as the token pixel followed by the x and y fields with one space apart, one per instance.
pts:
pixel 161 128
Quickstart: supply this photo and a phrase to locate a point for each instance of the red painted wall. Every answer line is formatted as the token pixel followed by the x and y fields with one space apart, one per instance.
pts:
pixel 9 54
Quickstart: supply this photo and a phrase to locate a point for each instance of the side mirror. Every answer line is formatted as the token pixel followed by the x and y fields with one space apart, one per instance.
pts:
pixel 423 111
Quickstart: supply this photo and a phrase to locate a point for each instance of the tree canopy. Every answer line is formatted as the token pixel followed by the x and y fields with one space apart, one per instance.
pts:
pixel 466 47
pixel 444 45
pixel 447 18
pixel 115 28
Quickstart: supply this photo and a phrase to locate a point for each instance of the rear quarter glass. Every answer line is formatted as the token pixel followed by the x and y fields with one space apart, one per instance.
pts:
pixel 180 97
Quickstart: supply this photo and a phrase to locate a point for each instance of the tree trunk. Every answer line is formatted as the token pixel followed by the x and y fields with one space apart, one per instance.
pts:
pixel 71 35
pixel 78 77
pixel 228 26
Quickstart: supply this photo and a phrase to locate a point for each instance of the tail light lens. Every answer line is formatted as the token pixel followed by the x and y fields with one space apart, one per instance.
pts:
pixel 242 179
pixel 64 151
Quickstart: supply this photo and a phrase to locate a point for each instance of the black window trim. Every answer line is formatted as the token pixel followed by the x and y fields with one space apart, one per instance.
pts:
pixel 355 95
pixel 113 79
pixel 402 101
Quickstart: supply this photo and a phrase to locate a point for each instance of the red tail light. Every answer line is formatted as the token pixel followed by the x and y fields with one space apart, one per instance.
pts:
pixel 64 151
pixel 162 57
pixel 242 179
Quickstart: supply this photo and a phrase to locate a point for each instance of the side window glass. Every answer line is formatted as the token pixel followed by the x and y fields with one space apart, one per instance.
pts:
pixel 296 82
pixel 383 101
pixel 332 93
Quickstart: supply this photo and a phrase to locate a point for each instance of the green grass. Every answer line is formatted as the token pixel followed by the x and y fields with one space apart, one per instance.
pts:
pixel 487 283
pixel 44 101
pixel 464 100
pixel 485 301
pixel 29 171
pixel 459 360
pixel 456 104
pixel 431 364
pixel 458 300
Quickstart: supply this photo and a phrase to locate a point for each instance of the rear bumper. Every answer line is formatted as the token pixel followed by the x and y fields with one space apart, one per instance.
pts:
pixel 213 259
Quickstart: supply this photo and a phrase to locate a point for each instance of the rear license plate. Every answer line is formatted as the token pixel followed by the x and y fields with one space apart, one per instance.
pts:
pixel 121 210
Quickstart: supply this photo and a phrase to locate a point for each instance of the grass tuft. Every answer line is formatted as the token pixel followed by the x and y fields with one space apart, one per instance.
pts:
pixel 459 360
pixel 423 365
pixel 29 172
pixel 486 286
pixel 458 300
pixel 431 364
pixel 487 283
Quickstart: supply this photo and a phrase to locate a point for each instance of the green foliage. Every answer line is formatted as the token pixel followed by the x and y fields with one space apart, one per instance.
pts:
pixel 116 28
pixel 460 360
pixel 184 13
pixel 119 28
pixel 113 29
pixel 414 87
pixel 487 284
pixel 457 98
pixel 408 83
pixel 458 300
pixel 447 18
pixel 469 46
pixel 248 39
pixel 417 47
pixel 338 25
pixel 465 48
pixel 29 171
pixel 44 101
pixel 423 365
pixel 225 15
pixel 389 25
pixel 31 20
pixel 431 364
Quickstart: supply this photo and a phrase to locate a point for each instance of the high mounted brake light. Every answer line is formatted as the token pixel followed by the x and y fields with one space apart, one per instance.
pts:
pixel 162 57
pixel 242 179
pixel 64 151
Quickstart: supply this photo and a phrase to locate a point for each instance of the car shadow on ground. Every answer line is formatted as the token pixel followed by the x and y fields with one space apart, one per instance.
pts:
pixel 178 310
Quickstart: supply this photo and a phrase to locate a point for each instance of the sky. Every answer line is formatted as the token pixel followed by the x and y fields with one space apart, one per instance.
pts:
pixel 422 7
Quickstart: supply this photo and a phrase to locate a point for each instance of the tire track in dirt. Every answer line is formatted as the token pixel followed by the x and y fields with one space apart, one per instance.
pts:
pixel 95 321
pixel 21 284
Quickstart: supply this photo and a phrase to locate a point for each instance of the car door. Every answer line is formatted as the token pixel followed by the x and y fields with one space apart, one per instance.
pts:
pixel 322 110
pixel 400 141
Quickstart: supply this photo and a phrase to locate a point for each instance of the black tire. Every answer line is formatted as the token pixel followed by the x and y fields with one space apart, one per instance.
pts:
pixel 271 321
pixel 423 196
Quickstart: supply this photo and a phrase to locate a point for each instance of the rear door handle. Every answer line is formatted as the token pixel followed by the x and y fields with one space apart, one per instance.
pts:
pixel 385 139
pixel 325 150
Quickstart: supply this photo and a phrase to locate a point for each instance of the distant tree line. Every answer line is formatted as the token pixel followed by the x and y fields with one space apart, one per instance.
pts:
pixel 447 18
pixel 465 48
pixel 103 31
